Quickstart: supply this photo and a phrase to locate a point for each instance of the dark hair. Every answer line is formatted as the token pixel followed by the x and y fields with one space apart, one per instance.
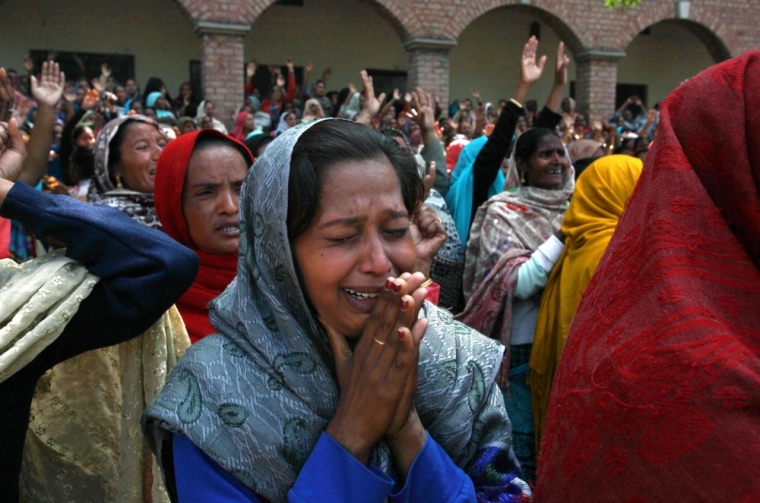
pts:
pixel 581 164
pixel 320 81
pixel 114 148
pixel 82 162
pixel 255 142
pixel 77 133
pixel 528 142
pixel 154 85
pixel 206 139
pixel 330 142
pixel 394 133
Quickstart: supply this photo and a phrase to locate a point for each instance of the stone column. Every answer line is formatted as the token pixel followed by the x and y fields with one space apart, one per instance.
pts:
pixel 596 78
pixel 429 66
pixel 223 66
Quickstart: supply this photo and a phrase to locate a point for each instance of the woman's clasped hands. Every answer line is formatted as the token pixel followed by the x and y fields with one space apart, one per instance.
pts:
pixel 378 378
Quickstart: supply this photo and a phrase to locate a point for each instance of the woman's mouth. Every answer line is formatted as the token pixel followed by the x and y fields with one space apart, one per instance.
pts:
pixel 229 229
pixel 361 301
pixel 359 295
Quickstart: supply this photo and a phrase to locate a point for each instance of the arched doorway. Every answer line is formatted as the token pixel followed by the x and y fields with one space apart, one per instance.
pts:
pixel 664 55
pixel 487 55
pixel 345 35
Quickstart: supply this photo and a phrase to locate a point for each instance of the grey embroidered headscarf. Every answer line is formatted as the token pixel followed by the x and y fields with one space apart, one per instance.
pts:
pixel 257 396
pixel 137 205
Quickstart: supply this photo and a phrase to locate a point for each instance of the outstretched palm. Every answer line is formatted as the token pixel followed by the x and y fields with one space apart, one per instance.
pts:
pixel 371 104
pixel 422 110
pixel 531 70
pixel 49 90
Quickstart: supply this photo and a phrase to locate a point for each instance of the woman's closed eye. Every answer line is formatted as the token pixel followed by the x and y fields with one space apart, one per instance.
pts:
pixel 341 239
pixel 204 193
pixel 398 233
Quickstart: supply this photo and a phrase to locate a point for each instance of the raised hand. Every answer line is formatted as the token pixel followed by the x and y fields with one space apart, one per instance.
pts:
pixel 7 96
pixel 563 61
pixel 396 95
pixel 13 152
pixel 49 90
pixel 530 69
pixel 28 63
pixel 371 104
pixel 308 66
pixel 428 234
pixel 475 94
pixel 289 64
pixel 326 74
pixel 280 80
pixel 422 111
pixel 97 85
pixel 105 71
pixel 250 68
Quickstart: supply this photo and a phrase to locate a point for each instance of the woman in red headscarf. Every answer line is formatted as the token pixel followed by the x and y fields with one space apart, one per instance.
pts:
pixel 244 125
pixel 198 180
pixel 657 394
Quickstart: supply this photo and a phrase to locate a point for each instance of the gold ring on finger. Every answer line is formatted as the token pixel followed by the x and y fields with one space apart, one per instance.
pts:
pixel 379 342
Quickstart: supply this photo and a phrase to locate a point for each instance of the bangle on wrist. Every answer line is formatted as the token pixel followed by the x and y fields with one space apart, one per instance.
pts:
pixel 516 102
pixel 427 283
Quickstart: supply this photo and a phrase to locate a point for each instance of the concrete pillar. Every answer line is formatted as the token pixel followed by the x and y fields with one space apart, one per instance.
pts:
pixel 429 66
pixel 596 78
pixel 223 66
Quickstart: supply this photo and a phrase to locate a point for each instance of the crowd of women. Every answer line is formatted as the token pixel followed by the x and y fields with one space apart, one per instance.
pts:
pixel 495 303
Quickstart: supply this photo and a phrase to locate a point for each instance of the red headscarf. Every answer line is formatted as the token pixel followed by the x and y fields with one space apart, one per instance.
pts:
pixel 216 271
pixel 238 129
pixel 657 396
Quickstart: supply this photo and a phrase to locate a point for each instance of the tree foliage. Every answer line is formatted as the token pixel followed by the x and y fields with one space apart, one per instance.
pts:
pixel 621 3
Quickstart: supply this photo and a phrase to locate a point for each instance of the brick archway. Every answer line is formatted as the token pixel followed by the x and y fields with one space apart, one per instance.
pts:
pixel 403 20
pixel 550 12
pixel 703 21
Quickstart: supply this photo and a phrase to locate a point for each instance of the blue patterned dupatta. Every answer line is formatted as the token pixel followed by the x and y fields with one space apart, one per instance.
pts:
pixel 256 396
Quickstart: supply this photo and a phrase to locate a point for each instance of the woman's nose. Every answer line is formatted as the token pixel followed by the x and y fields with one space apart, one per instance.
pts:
pixel 375 260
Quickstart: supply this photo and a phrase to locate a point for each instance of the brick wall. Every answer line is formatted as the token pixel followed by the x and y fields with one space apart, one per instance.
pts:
pixel 223 73
pixel 726 27
pixel 595 91
pixel 429 69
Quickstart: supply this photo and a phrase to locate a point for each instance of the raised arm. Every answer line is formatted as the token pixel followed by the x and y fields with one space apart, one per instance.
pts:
pixel 47 92
pixel 291 92
pixel 143 271
pixel 489 160
pixel 370 103
pixel 396 98
pixel 423 113
pixel 530 70
pixel 560 79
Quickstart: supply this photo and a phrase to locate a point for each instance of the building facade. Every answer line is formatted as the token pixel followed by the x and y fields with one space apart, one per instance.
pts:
pixel 445 46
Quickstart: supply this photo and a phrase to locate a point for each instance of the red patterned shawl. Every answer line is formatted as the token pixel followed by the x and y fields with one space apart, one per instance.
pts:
pixel 657 396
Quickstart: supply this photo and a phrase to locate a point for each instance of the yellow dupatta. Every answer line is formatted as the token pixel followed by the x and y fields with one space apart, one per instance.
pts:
pixel 601 194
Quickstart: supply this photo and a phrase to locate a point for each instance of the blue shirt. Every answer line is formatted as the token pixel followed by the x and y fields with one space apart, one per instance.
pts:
pixel 330 474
